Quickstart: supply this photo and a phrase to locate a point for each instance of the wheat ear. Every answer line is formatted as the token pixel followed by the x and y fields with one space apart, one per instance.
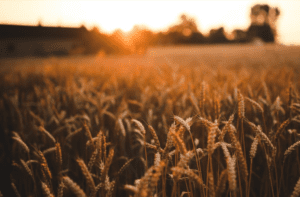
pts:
pixel 27 169
pixel 125 166
pixel 242 161
pixel 15 189
pixel 87 175
pixel 183 123
pixel 241 105
pixel 122 128
pixel 111 188
pixel 88 132
pixel 93 158
pixel 255 104
pixel 60 189
pixel 267 140
pixel 107 165
pixel 189 173
pixel 296 191
pixel 139 125
pixel 178 142
pixel 58 156
pixel 226 128
pixel 231 174
pixel 73 187
pixel 155 176
pixel 96 189
pixel 194 101
pixel 253 148
pixel 46 190
pixel 211 140
pixel 37 118
pixel 44 165
pixel 131 188
pixel 281 127
pixel 184 159
pixel 153 133
pixel 202 97
pixel 42 129
pixel 211 184
pixel 222 183
pixel 20 141
pixel 290 149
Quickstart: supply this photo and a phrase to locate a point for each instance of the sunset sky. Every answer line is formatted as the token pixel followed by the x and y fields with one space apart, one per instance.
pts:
pixel 156 15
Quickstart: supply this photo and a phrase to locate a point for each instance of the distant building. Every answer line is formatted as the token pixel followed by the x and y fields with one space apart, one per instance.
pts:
pixel 20 41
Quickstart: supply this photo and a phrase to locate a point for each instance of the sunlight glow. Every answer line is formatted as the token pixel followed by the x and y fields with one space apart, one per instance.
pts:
pixel 156 15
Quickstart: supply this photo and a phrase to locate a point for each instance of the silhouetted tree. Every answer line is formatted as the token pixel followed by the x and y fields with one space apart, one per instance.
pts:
pixel 196 38
pixel 186 32
pixel 261 31
pixel 239 35
pixel 117 43
pixel 263 22
pixel 140 38
pixel 217 36
pixel 186 27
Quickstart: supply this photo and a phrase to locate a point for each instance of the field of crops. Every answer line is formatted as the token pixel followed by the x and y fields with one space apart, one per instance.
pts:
pixel 166 125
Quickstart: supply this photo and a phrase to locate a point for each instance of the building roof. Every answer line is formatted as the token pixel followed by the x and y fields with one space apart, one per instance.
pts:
pixel 19 31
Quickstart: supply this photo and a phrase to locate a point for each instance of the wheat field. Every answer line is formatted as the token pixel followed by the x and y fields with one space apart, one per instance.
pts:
pixel 207 126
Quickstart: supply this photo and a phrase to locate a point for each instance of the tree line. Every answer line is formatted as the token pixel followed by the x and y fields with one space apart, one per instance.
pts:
pixel 262 27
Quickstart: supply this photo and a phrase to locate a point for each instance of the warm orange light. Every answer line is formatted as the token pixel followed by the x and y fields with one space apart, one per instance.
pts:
pixel 156 15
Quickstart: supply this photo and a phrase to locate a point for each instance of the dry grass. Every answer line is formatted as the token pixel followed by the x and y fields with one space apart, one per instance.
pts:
pixel 153 130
